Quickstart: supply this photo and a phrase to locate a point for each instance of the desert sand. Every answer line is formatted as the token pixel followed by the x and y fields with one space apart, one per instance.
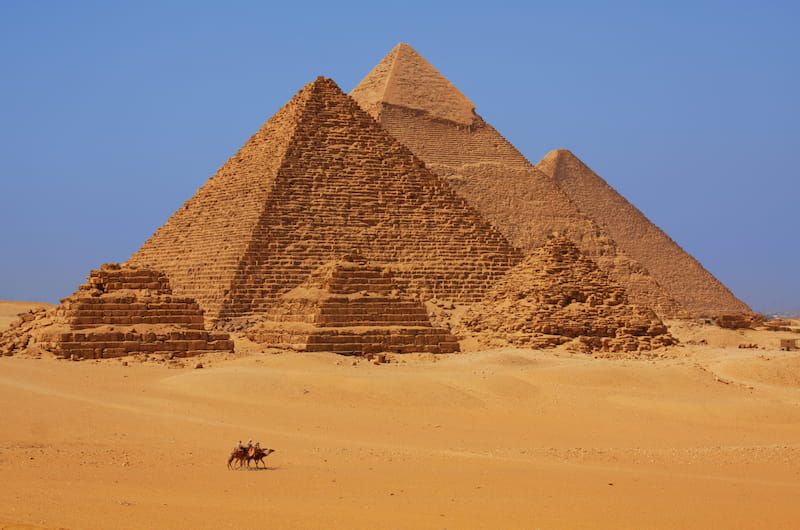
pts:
pixel 10 310
pixel 707 437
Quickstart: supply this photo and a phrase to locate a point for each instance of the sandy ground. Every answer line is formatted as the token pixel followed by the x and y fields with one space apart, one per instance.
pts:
pixel 507 438
pixel 10 310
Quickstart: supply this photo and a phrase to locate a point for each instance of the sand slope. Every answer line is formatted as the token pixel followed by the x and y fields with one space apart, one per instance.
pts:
pixel 495 439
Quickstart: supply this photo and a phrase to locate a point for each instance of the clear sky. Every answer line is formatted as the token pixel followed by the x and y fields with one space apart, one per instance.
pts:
pixel 113 113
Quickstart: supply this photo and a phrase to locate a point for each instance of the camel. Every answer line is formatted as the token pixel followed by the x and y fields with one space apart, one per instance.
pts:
pixel 259 455
pixel 239 455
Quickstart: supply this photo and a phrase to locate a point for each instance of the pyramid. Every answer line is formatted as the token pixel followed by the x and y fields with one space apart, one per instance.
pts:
pixel 525 203
pixel 120 310
pixel 683 276
pixel 557 295
pixel 403 80
pixel 351 307
pixel 321 179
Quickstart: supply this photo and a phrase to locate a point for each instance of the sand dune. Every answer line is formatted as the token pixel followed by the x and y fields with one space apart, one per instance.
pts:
pixel 507 438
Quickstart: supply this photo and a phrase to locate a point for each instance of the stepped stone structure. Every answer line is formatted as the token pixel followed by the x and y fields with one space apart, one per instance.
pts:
pixel 351 307
pixel 321 179
pixel 683 276
pixel 418 106
pixel 120 310
pixel 557 295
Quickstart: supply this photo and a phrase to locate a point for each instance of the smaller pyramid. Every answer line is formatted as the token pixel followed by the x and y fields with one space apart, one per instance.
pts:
pixel 557 295
pixel 120 310
pixel 352 308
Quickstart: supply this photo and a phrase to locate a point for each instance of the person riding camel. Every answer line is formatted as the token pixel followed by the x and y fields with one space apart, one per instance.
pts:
pixel 239 446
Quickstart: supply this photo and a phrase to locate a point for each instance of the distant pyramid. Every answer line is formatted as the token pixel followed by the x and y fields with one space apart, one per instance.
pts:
pixel 351 307
pixel 519 199
pixel 404 79
pixel 683 276
pixel 319 180
pixel 557 295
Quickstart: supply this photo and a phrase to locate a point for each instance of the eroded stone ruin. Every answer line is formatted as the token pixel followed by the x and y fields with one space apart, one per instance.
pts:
pixel 351 307
pixel 120 310
pixel 558 295
pixel 422 109
pixel 320 179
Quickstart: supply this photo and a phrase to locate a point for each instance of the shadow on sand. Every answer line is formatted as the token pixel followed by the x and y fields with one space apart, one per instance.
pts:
pixel 256 468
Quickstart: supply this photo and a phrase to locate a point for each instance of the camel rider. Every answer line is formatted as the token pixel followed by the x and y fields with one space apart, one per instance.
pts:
pixel 240 446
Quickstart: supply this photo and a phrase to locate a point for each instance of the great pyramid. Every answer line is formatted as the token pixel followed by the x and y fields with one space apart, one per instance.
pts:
pixel 321 179
pixel 557 295
pixel 417 105
pixel 120 310
pixel 351 307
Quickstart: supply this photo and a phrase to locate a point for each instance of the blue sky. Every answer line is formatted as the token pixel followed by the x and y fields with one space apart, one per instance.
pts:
pixel 112 114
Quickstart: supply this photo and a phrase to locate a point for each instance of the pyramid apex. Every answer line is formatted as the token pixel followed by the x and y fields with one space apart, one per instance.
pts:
pixel 320 89
pixel 405 79
pixel 322 81
pixel 555 160
pixel 557 154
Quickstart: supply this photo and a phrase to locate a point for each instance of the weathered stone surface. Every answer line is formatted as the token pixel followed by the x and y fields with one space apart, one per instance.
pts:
pixel 351 307
pixel 403 80
pixel 320 179
pixel 120 310
pixel 696 289
pixel 739 320
pixel 524 202
pixel 557 295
